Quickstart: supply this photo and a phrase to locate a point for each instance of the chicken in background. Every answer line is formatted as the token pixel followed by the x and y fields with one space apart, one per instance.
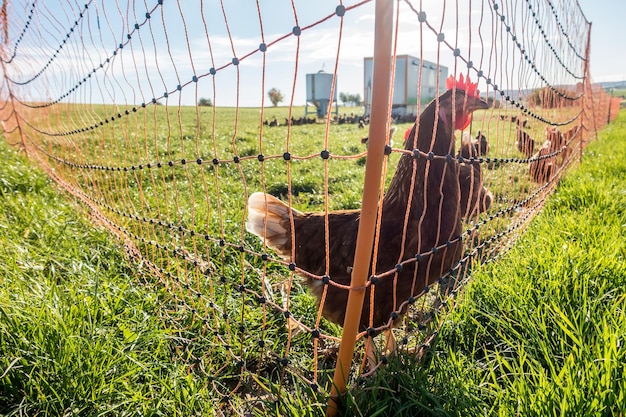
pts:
pixel 480 144
pixel 570 134
pixel 427 203
pixel 521 123
pixel 561 142
pixel 475 197
pixel 524 142
pixel 569 137
pixel 542 167
pixel 553 153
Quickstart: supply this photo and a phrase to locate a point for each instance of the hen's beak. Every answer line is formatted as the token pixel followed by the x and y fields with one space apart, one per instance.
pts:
pixel 464 106
pixel 474 103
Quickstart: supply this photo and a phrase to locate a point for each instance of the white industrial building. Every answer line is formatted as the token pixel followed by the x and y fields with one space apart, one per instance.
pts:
pixel 318 93
pixel 405 91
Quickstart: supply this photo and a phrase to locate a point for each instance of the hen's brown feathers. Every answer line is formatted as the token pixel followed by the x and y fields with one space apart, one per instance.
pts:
pixel 524 142
pixel 269 217
pixel 553 153
pixel 419 212
pixel 475 197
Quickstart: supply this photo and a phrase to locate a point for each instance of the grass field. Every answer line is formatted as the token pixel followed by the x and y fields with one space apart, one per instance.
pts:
pixel 617 92
pixel 541 331
pixel 86 332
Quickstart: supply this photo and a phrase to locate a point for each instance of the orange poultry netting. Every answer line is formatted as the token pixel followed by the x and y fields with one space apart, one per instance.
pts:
pixel 226 145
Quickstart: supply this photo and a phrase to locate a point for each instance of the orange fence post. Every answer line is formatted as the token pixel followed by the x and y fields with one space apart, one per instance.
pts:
pixel 379 115
pixel 588 95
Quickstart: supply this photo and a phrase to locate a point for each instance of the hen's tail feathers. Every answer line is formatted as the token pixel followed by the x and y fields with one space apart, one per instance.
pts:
pixel 268 218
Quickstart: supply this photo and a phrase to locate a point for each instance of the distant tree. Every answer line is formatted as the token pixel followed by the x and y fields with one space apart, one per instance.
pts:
pixel 275 96
pixel 205 102
pixel 344 98
pixel 493 102
pixel 352 99
pixel 356 99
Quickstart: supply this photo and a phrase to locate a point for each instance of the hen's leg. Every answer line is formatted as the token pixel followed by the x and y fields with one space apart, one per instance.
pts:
pixel 390 345
pixel 372 360
pixel 370 353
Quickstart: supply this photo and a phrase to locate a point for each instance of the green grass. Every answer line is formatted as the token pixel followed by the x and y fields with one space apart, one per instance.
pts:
pixel 542 331
pixel 617 92
pixel 85 331
pixel 80 333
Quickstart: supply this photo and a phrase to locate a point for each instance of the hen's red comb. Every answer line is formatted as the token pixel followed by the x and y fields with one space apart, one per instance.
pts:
pixel 463 84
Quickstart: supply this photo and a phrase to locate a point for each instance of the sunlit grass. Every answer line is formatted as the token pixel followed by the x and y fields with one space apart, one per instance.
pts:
pixel 79 332
pixel 541 331
pixel 86 331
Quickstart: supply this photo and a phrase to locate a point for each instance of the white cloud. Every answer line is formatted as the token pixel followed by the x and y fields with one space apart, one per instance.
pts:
pixel 147 69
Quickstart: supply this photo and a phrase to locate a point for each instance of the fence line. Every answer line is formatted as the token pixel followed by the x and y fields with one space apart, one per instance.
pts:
pixel 157 119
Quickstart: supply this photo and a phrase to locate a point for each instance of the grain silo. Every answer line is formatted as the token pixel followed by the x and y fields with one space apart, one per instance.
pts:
pixel 318 89
pixel 406 83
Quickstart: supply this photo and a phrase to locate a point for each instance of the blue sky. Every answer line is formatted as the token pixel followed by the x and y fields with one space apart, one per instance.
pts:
pixel 162 54
pixel 608 38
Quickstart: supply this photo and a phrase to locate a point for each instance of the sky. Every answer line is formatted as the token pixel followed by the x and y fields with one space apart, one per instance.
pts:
pixel 608 38
pixel 183 39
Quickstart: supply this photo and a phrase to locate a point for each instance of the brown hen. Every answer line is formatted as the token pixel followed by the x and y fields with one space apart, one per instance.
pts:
pixel 553 154
pixel 475 197
pixel 430 209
